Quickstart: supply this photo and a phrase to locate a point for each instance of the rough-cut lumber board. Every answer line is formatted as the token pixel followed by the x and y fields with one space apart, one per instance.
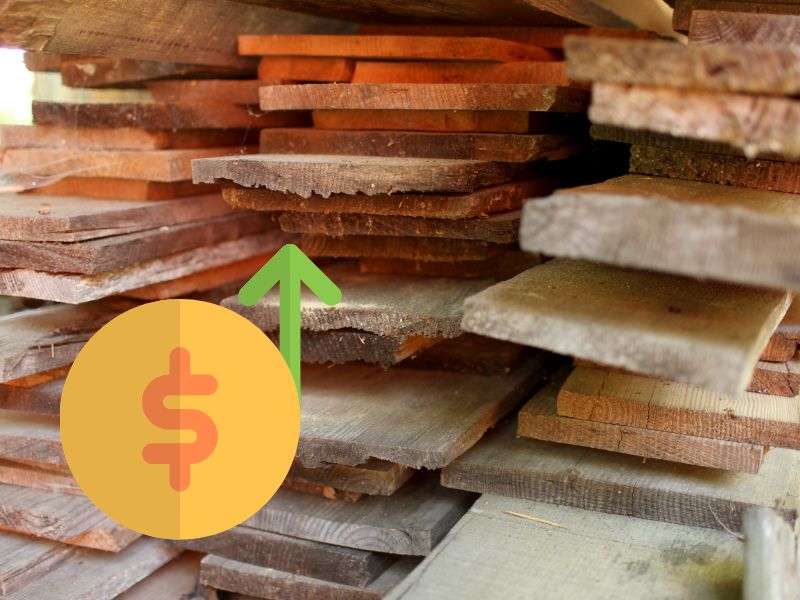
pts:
pixel 120 251
pixel 122 189
pixel 77 288
pixel 754 124
pixel 42 61
pixel 771 560
pixel 501 228
pixel 703 333
pixel 325 175
pixel 777 379
pixel 120 138
pixel 502 266
pixel 226 574
pixel 552 72
pixel 450 121
pixel 337 564
pixel 66 518
pixel 608 482
pixel 539 419
pixel 193 31
pixel 781 347
pixel 153 165
pixel 474 354
pixel 685 9
pixel 160 116
pixel 392 306
pixel 407 47
pixel 606 396
pixel 439 250
pixel 298 68
pixel 716 26
pixel 480 203
pixel 24 560
pixel 683 227
pixel 411 521
pixel 425 96
pixel 345 346
pixel 512 148
pixel 736 171
pixel 30 477
pixel 243 91
pixel 424 418
pixel 643 137
pixel 44 338
pixel 575 550
pixel 373 477
pixel 42 218
pixel 323 491
pixel 177 579
pixel 718 67
pixel 99 575
pixel 42 398
pixel 32 440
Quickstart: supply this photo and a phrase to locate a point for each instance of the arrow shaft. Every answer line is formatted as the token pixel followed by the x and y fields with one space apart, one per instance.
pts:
pixel 290 326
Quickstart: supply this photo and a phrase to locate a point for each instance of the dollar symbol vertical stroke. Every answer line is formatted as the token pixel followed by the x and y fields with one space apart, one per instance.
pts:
pixel 179 382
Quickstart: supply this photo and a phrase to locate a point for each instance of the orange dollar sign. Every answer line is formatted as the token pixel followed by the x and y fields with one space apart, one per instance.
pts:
pixel 179 382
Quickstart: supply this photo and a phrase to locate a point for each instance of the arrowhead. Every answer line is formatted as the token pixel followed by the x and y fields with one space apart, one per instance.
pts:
pixel 289 263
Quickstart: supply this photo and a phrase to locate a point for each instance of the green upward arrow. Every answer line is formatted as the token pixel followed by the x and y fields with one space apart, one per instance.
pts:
pixel 290 267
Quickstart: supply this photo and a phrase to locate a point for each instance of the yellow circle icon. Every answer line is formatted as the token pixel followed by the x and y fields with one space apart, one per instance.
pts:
pixel 179 419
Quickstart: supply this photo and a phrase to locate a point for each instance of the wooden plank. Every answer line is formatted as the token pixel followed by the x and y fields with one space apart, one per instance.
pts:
pixel 70 219
pixel 719 67
pixel 65 518
pixel 325 175
pixel 44 338
pixel 99 575
pixel 424 419
pixel 480 203
pixel 685 229
pixel 390 306
pixel 724 27
pixel 735 171
pixel 608 482
pixel 684 9
pixel 771 559
pixel 228 91
pixel 449 121
pixel 624 399
pixel 611 555
pixel 501 228
pixel 123 189
pixel 78 288
pixel 24 560
pixel 643 137
pixel 474 354
pixel 512 148
pixel 242 577
pixel 443 251
pixel 501 266
pixel 299 69
pixel 539 419
pixel 20 475
pixel 373 477
pixel 194 32
pixel 407 47
pixel 690 331
pixel 42 62
pixel 776 379
pixel 120 251
pixel 159 116
pixel 177 579
pixel 32 440
pixel 41 399
pixel 425 96
pixel 552 72
pixel 409 522
pixel 337 564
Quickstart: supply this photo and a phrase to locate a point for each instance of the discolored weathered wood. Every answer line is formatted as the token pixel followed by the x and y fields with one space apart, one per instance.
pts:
pixel 176 579
pixel 480 203
pixel 501 266
pixel 24 560
pixel 32 440
pixel 424 418
pixel 390 306
pixel 300 68
pixel 569 551
pixel 539 419
pixel 754 124
pixel 552 72
pixel 305 175
pixel 608 482
pixel 410 522
pixel 160 116
pixel 643 137
pixel 681 329
pixel 422 96
pixel 601 395
pixel 337 564
pixel 685 9
pixel 228 91
pixel 722 26
pixel 470 353
pixel 123 189
pixel 737 171
pixel 226 574
pixel 20 475
pixel 41 398
pixel 771 557
pixel 683 227
pixel 373 477
pixel 114 252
